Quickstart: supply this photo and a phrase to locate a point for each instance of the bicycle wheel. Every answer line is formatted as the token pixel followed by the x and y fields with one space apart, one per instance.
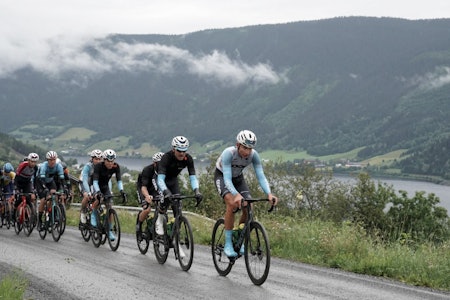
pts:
pixel 2 214
pixel 257 253
pixel 96 232
pixel 56 223
pixel 27 221
pixel 63 217
pixel 9 217
pixel 184 243
pixel 85 230
pixel 114 226
pixel 222 263
pixel 18 224
pixel 142 239
pixel 161 243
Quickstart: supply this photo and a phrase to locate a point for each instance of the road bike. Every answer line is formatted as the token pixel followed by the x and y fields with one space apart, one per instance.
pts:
pixel 107 220
pixel 177 234
pixel 6 211
pixel 86 228
pixel 62 203
pixel 54 220
pixel 256 246
pixel 24 215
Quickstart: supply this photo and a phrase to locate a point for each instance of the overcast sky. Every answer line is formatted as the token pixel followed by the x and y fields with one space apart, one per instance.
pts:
pixel 32 32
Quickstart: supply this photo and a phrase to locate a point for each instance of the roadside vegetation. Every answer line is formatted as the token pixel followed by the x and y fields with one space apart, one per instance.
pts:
pixel 366 228
pixel 13 285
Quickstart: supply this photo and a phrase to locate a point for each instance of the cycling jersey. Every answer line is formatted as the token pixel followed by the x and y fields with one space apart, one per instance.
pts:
pixel 231 164
pixel 170 167
pixel 7 182
pixel 102 175
pixel 148 178
pixel 48 174
pixel 25 176
pixel 86 177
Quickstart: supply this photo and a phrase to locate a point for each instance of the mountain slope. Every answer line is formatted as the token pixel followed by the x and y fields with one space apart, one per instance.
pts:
pixel 325 86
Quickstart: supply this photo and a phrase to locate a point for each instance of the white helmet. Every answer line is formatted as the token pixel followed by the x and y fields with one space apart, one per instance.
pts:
pixel 180 143
pixel 157 156
pixel 109 154
pixel 33 157
pixel 246 138
pixel 51 155
pixel 97 153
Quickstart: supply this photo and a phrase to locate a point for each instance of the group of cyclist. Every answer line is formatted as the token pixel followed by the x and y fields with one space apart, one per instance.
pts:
pixel 159 179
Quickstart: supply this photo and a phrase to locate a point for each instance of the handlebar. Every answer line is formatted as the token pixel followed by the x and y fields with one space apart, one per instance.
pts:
pixel 258 200
pixel 176 197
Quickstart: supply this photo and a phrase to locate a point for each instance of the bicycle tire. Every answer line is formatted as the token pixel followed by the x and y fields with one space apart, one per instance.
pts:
pixel 8 217
pixel 161 242
pixel 257 253
pixel 3 214
pixel 115 227
pixel 96 233
pixel 85 228
pixel 142 241
pixel 27 221
pixel 184 241
pixel 62 207
pixel 56 223
pixel 18 224
pixel 221 262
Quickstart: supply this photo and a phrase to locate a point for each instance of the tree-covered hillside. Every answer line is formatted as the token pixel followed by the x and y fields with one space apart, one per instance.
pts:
pixel 325 86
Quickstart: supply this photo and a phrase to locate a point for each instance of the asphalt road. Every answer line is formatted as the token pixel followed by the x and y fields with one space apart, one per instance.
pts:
pixel 74 269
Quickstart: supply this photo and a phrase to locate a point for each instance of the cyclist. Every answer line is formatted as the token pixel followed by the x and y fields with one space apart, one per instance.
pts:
pixel 25 177
pixel 86 181
pixel 170 166
pixel 103 172
pixel 230 182
pixel 50 178
pixel 147 189
pixel 7 176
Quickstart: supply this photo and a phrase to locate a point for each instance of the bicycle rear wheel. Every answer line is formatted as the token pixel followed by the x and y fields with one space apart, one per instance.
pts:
pixel 18 225
pixel 114 226
pixel 161 243
pixel 56 223
pixel 142 239
pixel 222 263
pixel 28 221
pixel 184 243
pixel 257 253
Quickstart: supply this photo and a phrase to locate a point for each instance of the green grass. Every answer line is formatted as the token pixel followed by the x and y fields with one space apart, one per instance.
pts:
pixel 13 286
pixel 345 246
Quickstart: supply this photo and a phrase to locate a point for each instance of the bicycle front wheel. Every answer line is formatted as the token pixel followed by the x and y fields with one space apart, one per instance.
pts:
pixel 28 221
pixel 113 232
pixel 221 262
pixel 62 207
pixel 257 253
pixel 161 243
pixel 142 238
pixel 19 222
pixel 184 243
pixel 56 223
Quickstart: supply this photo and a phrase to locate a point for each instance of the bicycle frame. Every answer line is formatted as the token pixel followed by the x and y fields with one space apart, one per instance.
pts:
pixel 181 236
pixel 256 248
pixel 53 217
pixel 107 219
pixel 23 215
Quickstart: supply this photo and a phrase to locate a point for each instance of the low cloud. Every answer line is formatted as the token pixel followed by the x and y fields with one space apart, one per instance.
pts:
pixel 79 62
pixel 432 80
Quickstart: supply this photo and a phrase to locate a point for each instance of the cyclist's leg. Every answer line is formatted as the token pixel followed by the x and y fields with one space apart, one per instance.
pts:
pixel 84 203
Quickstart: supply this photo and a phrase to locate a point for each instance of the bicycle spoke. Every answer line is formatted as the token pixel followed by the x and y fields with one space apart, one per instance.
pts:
pixel 257 254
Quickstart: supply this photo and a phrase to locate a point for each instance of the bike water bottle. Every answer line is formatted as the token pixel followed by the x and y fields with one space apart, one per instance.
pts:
pixel 170 225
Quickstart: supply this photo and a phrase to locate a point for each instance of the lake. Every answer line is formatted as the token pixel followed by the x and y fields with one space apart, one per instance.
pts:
pixel 410 186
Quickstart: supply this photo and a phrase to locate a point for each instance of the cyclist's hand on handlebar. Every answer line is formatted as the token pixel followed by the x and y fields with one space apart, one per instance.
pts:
pixel 272 199
pixel 167 194
pixel 98 195
pixel 198 197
